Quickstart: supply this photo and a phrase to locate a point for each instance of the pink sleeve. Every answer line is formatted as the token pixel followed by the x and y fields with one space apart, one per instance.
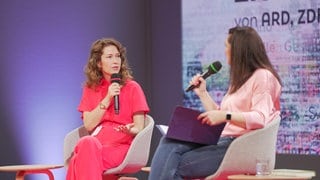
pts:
pixel 264 97
pixel 88 100
pixel 261 110
pixel 139 102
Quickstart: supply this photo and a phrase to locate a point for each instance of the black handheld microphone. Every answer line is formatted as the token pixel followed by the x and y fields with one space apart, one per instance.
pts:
pixel 212 69
pixel 116 78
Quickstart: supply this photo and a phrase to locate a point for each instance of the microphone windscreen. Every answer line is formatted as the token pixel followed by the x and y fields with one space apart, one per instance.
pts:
pixel 214 67
pixel 116 78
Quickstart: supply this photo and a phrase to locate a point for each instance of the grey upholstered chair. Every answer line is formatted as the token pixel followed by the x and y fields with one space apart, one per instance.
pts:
pixel 242 153
pixel 136 158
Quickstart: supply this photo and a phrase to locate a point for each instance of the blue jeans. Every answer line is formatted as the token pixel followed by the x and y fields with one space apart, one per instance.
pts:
pixel 177 160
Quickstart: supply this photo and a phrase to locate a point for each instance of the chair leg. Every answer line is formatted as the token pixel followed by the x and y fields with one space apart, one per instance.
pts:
pixel 21 174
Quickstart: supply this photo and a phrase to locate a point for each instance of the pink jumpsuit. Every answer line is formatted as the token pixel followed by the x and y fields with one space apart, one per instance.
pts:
pixel 107 149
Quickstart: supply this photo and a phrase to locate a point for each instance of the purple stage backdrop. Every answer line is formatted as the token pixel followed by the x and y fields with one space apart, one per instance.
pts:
pixel 45 45
pixel 291 33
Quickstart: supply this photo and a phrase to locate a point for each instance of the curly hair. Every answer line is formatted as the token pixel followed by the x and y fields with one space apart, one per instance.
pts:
pixel 94 73
pixel 247 54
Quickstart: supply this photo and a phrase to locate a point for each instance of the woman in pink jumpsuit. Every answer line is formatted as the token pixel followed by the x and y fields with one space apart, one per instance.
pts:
pixel 110 133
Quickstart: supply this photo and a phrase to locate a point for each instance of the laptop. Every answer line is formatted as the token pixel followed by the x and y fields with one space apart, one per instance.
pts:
pixel 185 126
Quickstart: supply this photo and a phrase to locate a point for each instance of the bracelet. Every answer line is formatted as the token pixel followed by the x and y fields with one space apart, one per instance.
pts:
pixel 102 106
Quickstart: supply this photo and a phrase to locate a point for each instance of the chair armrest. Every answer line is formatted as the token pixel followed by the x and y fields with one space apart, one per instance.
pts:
pixel 138 153
pixel 70 141
pixel 243 151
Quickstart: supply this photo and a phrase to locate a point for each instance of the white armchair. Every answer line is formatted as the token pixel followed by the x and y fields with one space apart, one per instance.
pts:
pixel 242 153
pixel 136 158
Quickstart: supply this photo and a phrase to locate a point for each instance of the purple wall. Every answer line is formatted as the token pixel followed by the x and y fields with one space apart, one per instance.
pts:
pixel 44 46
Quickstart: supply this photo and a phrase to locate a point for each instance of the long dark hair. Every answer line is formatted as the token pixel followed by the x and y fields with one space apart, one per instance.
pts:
pixel 94 73
pixel 247 54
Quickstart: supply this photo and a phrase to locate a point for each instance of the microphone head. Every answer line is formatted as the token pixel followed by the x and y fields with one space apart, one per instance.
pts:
pixel 214 67
pixel 116 78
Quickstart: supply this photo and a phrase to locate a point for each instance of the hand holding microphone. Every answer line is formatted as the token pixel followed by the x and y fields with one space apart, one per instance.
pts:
pixel 212 69
pixel 116 78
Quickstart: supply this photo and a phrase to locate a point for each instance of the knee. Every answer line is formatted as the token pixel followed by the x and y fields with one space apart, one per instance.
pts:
pixel 88 143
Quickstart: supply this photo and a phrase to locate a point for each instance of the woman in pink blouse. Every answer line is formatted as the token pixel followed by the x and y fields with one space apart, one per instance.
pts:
pixel 110 133
pixel 252 101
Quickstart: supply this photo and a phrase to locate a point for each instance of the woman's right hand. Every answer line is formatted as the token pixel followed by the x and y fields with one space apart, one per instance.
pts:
pixel 200 84
pixel 113 90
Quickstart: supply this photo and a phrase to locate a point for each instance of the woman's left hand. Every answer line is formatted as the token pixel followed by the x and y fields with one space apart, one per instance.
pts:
pixel 128 128
pixel 213 117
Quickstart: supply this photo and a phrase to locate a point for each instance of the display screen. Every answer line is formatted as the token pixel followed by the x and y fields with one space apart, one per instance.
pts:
pixel 291 34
